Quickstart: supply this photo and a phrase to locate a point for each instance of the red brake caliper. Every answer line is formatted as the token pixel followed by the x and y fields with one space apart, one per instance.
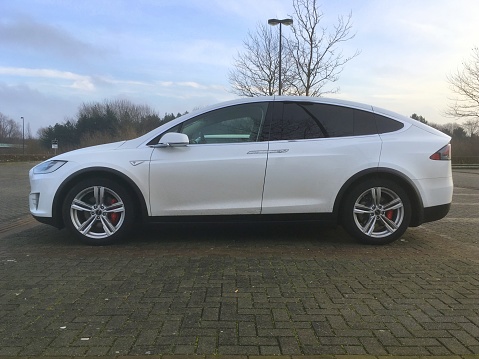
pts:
pixel 390 214
pixel 114 217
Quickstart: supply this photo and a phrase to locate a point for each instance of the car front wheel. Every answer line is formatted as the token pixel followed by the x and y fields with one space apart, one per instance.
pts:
pixel 98 211
pixel 376 212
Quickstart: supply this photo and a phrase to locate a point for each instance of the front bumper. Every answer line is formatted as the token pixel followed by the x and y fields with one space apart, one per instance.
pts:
pixel 50 221
pixel 43 188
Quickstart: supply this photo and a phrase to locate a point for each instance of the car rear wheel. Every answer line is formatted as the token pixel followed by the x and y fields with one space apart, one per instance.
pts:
pixel 98 211
pixel 376 211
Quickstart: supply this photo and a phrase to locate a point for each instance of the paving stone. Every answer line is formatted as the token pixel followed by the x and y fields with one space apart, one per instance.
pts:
pixel 237 291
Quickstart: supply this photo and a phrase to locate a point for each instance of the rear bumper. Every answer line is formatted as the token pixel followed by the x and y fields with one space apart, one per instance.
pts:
pixel 435 213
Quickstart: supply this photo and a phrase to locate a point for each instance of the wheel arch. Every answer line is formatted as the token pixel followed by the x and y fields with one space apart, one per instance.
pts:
pixel 73 179
pixel 417 215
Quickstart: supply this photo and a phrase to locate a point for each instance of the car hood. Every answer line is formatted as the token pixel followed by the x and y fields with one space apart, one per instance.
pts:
pixel 99 148
pixel 89 150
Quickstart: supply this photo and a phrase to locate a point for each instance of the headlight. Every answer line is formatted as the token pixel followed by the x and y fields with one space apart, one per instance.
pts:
pixel 48 166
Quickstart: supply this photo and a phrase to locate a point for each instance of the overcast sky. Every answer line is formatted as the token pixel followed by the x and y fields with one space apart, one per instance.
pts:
pixel 174 55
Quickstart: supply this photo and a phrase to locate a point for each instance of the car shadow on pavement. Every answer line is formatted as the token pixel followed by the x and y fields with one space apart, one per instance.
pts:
pixel 258 241
pixel 264 240
pixel 248 233
pixel 196 235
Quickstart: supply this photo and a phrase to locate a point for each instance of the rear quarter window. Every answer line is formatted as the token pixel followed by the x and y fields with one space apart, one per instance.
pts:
pixel 385 124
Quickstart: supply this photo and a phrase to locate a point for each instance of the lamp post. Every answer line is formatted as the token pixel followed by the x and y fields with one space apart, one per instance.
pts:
pixel 274 22
pixel 23 134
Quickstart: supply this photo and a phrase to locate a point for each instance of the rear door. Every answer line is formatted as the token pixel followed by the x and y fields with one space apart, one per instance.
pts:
pixel 313 150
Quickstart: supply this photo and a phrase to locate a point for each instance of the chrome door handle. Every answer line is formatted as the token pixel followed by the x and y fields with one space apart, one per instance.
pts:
pixel 259 152
pixel 279 151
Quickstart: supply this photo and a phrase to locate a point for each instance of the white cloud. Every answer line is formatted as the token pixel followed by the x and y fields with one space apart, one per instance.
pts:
pixel 191 84
pixel 80 82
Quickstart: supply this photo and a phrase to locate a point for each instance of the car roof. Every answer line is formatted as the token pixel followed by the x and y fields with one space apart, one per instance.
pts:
pixel 324 100
pixel 321 100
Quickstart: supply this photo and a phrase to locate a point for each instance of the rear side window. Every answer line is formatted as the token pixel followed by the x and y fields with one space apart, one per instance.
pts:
pixel 297 123
pixel 364 123
pixel 337 121
pixel 307 120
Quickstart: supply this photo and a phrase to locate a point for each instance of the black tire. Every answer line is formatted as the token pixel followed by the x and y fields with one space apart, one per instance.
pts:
pixel 376 211
pixel 98 211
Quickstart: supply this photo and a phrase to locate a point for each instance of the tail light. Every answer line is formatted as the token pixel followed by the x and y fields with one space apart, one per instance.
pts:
pixel 444 154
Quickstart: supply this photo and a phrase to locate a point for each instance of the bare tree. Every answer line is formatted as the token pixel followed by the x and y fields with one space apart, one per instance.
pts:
pixel 9 129
pixel 472 127
pixel 465 84
pixel 311 58
pixel 28 132
pixel 256 69
pixel 315 50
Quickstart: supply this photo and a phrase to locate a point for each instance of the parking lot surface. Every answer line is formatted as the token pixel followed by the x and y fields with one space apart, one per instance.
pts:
pixel 239 289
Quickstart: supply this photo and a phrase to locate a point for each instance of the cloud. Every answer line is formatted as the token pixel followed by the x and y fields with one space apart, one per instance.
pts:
pixel 32 36
pixel 190 85
pixel 80 82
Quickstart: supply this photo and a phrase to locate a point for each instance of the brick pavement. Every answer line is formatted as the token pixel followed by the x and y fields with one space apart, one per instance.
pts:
pixel 244 290
pixel 14 190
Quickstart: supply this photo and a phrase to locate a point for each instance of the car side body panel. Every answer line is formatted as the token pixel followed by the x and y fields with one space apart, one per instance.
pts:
pixel 305 176
pixel 207 179
pixel 433 179
pixel 132 165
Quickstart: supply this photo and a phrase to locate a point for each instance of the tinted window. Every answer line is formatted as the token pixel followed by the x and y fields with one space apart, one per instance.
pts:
pixel 364 123
pixel 240 123
pixel 303 120
pixel 297 123
pixel 337 120
pixel 386 124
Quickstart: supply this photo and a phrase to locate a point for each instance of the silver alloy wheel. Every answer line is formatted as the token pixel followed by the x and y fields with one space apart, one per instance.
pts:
pixel 97 212
pixel 378 212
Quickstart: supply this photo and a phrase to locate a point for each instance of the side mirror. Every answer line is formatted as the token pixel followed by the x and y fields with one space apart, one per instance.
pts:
pixel 173 139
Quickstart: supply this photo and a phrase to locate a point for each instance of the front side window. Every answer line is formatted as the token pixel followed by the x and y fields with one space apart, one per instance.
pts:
pixel 234 124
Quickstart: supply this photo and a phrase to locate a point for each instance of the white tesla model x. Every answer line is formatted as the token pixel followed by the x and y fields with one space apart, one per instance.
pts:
pixel 272 158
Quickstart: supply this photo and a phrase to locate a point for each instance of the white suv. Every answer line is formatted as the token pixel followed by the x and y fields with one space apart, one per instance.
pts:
pixel 275 158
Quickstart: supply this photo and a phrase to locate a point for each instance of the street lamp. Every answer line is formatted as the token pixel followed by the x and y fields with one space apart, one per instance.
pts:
pixel 23 134
pixel 274 22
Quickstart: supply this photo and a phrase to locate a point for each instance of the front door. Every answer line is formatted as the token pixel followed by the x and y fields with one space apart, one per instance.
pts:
pixel 220 172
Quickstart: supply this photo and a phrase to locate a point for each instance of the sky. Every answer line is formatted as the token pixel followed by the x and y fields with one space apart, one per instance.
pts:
pixel 175 55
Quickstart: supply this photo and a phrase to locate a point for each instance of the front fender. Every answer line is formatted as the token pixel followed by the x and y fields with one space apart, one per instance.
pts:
pixel 90 172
